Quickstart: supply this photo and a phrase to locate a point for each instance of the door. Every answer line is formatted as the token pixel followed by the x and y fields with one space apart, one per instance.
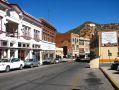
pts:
pixel 15 62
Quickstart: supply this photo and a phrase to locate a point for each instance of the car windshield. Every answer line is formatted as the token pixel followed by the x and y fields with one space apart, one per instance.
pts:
pixel 29 60
pixel 4 60
pixel 56 58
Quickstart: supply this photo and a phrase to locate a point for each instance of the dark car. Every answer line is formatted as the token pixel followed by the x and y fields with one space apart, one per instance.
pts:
pixel 114 65
pixel 77 59
pixel 47 61
pixel 31 63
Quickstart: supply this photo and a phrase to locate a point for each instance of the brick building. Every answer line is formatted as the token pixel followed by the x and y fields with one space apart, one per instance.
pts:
pixel 48 39
pixel 69 42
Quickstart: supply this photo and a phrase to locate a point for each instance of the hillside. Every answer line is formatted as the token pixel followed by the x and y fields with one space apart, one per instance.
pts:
pixel 98 27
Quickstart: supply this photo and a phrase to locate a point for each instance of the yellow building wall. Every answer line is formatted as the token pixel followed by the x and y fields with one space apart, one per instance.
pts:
pixel 103 53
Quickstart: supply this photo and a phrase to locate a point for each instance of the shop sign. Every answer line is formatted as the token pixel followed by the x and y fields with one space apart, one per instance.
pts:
pixel 109 38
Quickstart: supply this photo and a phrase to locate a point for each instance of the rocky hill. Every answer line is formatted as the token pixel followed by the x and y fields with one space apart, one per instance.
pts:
pixel 98 27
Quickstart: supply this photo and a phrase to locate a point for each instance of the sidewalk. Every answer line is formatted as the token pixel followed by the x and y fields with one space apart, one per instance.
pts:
pixel 112 75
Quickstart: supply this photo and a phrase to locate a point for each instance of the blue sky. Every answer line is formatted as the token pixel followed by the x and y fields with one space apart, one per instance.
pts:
pixel 68 14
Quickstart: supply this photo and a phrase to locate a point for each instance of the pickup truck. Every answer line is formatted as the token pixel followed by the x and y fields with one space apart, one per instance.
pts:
pixel 8 64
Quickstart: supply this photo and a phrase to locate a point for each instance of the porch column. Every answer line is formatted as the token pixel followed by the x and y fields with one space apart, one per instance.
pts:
pixel 54 54
pixel 30 54
pixel 16 54
pixel 8 53
pixel 48 54
pixel 41 59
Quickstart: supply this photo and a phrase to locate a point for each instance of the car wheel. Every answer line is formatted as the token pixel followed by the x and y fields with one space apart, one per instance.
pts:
pixel 31 66
pixel 21 67
pixel 38 65
pixel 7 69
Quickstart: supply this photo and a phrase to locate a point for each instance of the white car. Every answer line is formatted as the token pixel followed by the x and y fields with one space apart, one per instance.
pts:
pixel 7 64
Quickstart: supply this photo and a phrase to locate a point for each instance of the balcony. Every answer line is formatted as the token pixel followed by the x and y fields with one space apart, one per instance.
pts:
pixel 36 38
pixel 9 34
pixel 26 37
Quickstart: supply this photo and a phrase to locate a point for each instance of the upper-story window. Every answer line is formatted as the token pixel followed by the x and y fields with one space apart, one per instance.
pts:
pixel 73 40
pixel 26 32
pixel 77 47
pixel 36 35
pixel 77 40
pixel 87 43
pixel 81 42
pixel 73 46
pixel 3 43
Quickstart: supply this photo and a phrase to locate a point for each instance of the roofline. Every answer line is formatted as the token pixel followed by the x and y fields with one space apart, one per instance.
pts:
pixel 47 22
pixel 24 13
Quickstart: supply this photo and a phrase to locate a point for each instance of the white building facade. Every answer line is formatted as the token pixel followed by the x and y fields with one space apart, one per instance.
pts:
pixel 20 34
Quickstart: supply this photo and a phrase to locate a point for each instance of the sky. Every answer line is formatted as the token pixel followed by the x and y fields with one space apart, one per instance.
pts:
pixel 65 15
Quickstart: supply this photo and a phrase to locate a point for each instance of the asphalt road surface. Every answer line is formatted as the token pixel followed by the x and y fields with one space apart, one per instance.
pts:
pixel 64 76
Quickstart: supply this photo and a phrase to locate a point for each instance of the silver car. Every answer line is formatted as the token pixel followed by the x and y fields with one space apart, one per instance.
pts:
pixel 31 63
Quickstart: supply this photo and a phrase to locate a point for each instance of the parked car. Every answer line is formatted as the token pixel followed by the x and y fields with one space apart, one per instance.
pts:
pixel 8 64
pixel 31 63
pixel 84 57
pixel 114 65
pixel 57 60
pixel 48 61
pixel 77 59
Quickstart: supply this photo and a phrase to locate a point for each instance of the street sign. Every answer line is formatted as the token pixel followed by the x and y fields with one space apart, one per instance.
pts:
pixel 109 53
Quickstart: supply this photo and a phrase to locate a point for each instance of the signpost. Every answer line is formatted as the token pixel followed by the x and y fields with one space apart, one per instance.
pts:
pixel 109 54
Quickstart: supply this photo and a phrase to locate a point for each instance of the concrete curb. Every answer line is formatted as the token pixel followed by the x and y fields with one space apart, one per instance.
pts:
pixel 113 82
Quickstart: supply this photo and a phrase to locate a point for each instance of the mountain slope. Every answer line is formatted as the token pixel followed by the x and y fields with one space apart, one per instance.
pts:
pixel 77 29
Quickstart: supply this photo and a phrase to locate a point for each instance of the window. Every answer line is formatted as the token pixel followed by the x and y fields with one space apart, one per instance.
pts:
pixel 26 30
pixel 15 60
pixel 77 40
pixel 19 44
pixel 11 44
pixel 24 45
pixel 4 43
pixel 36 34
pixel 81 42
pixel 77 47
pixel 73 47
pixel 87 49
pixel 72 39
pixel 81 50
pixel 27 45
pixel 33 46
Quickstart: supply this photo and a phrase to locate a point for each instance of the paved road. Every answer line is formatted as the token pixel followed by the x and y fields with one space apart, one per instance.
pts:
pixel 64 76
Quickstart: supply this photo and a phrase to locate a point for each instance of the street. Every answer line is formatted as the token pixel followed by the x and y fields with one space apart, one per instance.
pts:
pixel 63 76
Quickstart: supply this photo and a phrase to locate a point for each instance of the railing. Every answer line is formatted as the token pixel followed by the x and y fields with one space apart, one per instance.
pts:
pixel 26 37
pixel 12 34
pixel 36 38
